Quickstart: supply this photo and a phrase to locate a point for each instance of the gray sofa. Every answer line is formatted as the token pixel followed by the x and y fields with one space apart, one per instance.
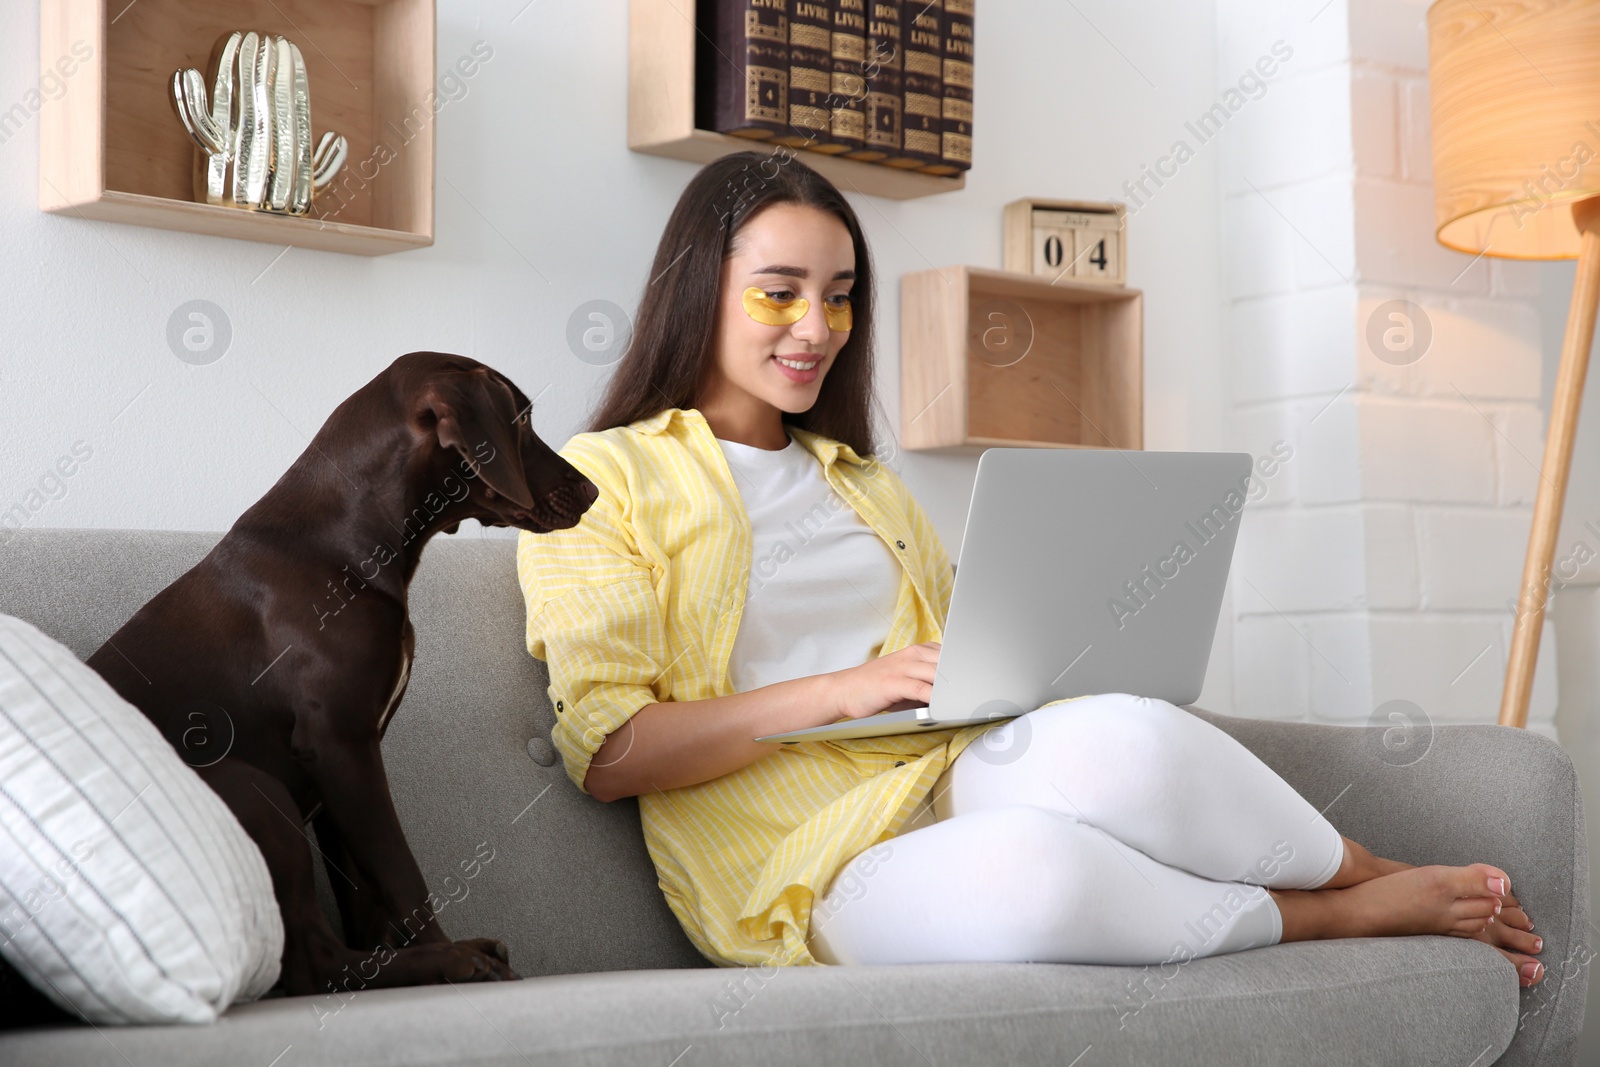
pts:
pixel 611 979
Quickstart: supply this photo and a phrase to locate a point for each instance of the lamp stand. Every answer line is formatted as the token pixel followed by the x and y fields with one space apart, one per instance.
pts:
pixel 1554 469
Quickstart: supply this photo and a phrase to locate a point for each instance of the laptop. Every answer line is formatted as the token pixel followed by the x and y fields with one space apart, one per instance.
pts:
pixel 1081 571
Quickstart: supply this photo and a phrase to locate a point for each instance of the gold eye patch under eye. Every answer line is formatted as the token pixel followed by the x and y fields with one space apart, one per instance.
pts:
pixel 769 312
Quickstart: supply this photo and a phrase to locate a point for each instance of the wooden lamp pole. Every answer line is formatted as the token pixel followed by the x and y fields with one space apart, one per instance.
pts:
pixel 1554 469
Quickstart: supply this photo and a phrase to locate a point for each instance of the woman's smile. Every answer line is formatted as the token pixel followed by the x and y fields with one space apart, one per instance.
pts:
pixel 800 368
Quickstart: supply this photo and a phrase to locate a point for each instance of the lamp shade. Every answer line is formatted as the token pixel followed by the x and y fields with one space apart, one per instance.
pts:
pixel 1515 90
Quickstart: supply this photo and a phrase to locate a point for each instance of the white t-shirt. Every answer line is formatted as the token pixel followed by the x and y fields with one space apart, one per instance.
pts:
pixel 822 586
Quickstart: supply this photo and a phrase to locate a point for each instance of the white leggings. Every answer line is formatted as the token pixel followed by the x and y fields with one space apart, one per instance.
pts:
pixel 1116 829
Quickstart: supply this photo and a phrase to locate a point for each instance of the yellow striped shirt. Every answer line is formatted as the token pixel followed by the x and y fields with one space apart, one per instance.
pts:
pixel 640 603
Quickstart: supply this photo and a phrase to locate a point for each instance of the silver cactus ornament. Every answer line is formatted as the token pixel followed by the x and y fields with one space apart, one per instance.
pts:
pixel 255 130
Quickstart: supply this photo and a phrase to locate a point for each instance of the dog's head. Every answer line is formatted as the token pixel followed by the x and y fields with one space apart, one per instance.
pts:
pixel 477 425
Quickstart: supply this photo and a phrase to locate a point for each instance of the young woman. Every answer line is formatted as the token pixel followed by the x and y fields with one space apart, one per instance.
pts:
pixel 750 568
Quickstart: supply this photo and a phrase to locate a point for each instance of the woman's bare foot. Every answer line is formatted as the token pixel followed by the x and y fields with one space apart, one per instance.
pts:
pixel 1455 901
pixel 1509 931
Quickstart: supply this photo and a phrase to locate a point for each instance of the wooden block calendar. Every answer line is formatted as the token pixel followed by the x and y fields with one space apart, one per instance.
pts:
pixel 1080 240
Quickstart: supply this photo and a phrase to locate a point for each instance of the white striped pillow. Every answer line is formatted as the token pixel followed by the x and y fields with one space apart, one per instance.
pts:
pixel 129 893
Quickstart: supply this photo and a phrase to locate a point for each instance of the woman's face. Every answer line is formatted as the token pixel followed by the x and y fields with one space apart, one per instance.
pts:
pixel 789 253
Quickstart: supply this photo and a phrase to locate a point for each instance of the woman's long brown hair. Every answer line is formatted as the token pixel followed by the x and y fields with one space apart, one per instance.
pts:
pixel 671 352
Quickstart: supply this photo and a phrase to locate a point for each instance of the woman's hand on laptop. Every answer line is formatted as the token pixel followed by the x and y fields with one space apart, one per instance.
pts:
pixel 900 680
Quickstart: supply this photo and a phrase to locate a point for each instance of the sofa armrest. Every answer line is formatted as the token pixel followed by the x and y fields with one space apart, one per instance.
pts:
pixel 1462 794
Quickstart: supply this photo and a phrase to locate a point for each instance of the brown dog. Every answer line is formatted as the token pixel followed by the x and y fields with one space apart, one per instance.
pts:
pixel 274 664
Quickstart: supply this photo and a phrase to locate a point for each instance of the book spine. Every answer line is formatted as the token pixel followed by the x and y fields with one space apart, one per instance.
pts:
pixel 955 141
pixel 810 74
pixel 847 97
pixel 744 81
pixel 884 82
pixel 922 109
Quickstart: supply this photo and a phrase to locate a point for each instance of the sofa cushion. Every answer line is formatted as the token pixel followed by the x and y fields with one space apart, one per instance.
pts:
pixel 1411 1000
pixel 129 893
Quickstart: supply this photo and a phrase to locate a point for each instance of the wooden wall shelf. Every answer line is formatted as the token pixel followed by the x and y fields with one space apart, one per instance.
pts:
pixel 997 358
pixel 112 148
pixel 661 61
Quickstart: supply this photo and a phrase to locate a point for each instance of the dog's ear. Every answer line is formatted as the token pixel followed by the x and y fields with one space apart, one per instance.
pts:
pixel 476 415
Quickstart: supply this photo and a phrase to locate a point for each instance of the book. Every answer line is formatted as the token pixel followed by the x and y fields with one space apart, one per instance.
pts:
pixel 742 84
pixel 810 74
pixel 847 97
pixel 884 82
pixel 922 76
pixel 955 133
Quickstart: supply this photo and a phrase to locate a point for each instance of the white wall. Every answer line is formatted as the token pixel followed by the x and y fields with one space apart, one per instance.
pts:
pixel 540 208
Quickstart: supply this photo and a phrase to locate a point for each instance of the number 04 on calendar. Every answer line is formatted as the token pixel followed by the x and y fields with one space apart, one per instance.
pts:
pixel 1077 240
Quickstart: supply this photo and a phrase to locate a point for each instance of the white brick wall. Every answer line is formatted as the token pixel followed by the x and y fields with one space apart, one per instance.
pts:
pixel 1519 450
pixel 1299 559
pixel 1319 34
pixel 1292 344
pixel 1377 136
pixel 1470 559
pixel 1320 214
pixel 1394 571
pixel 1258 430
pixel 1512 277
pixel 1453 668
pixel 1341 667
pixel 1330 471
pixel 1415 132
pixel 1272 669
pixel 1283 137
pixel 1395 243
pixel 1379 565
pixel 1425 450
pixel 1391 33
pixel 1259 252
pixel 1483 348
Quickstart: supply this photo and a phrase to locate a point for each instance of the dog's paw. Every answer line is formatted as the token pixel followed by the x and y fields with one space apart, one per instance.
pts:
pixel 489 946
pixel 480 960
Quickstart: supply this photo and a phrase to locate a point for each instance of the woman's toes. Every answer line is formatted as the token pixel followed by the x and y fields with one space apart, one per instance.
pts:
pixel 1478 879
pixel 1529 970
pixel 1484 908
pixel 1513 914
pixel 1502 936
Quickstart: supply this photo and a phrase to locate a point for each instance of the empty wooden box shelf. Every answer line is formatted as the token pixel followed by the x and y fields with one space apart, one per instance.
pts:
pixel 661 67
pixel 990 357
pixel 111 147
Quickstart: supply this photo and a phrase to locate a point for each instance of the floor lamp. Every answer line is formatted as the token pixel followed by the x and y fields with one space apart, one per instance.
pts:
pixel 1515 88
